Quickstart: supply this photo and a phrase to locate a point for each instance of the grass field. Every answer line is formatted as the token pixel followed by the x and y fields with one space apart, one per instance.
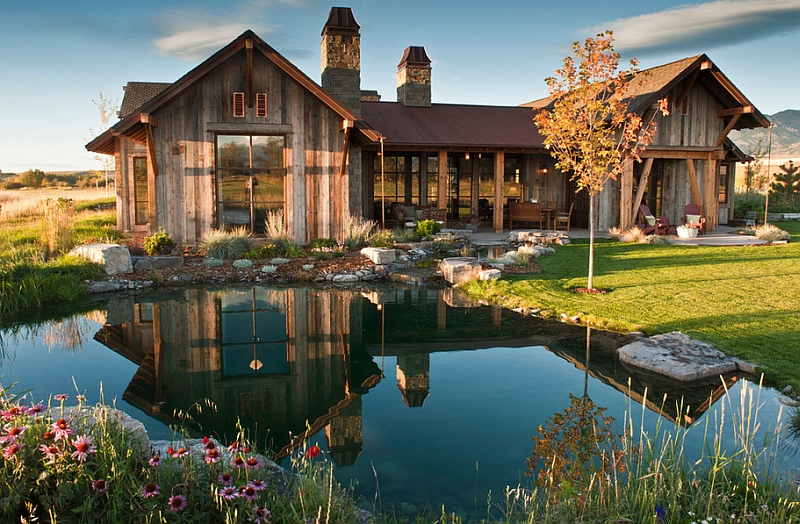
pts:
pixel 745 300
pixel 16 203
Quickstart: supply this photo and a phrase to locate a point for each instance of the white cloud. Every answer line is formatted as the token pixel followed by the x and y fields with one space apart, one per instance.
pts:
pixel 702 26
pixel 198 42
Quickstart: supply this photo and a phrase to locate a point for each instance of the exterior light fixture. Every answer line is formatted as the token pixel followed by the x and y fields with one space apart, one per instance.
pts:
pixel 466 156
pixel 543 169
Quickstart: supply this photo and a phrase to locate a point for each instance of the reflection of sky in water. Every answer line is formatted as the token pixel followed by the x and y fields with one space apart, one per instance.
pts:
pixel 473 433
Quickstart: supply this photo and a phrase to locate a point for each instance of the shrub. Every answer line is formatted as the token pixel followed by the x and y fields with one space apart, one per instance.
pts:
pixel 58 221
pixel 427 228
pixel 159 243
pixel 287 248
pixel 242 263
pixel 226 244
pixel 320 244
pixel 212 262
pixel 260 253
pixel 383 238
pixel 356 231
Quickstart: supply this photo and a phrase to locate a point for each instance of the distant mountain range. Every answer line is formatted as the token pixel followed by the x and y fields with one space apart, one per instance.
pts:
pixel 785 135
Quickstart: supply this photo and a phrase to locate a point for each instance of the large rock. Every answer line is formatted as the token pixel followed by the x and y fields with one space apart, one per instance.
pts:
pixel 379 255
pixel 114 258
pixel 679 356
pixel 459 270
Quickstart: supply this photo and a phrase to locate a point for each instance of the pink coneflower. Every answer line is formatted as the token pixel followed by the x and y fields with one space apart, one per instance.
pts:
pixel 99 486
pixel 36 409
pixel 253 462
pixel 208 443
pixel 177 503
pixel 180 453
pixel 225 478
pixel 313 451
pixel 12 434
pixel 155 461
pixel 228 492
pixel 234 447
pixel 260 514
pixel 150 489
pixel 51 452
pixel 83 446
pixel 248 493
pixel 12 412
pixel 212 456
pixel 237 462
pixel 11 450
pixel 61 429
pixel 61 397
pixel 258 484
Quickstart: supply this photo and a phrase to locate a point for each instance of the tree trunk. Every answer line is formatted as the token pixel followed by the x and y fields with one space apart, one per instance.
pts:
pixel 591 242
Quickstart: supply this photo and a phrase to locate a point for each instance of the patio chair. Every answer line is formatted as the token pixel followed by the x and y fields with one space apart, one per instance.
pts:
pixel 693 214
pixel 650 225
pixel 563 218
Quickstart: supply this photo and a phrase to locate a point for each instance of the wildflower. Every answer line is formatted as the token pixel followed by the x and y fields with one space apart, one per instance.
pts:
pixel 225 478
pixel 180 453
pixel 260 514
pixel 253 462
pixel 61 397
pixel 764 507
pixel 48 435
pixel 61 429
pixel 237 462
pixel 12 434
pixel 11 450
pixel 170 450
pixel 51 452
pixel 313 451
pixel 12 412
pixel 249 493
pixel 99 486
pixel 155 461
pixel 83 446
pixel 228 492
pixel 150 490
pixel 81 398
pixel 208 443
pixel 212 456
pixel 177 503
pixel 234 447
pixel 660 513
pixel 35 409
pixel 258 484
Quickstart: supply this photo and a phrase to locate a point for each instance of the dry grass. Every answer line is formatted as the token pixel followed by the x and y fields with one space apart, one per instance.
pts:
pixel 16 203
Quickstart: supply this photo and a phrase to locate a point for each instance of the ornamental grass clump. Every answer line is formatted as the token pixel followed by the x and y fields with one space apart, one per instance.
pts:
pixel 226 244
pixel 771 233
pixel 58 221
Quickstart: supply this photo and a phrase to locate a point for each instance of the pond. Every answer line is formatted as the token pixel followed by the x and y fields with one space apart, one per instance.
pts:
pixel 419 396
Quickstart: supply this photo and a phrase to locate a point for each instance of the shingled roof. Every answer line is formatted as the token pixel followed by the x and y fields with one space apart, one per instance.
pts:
pixel 453 125
pixel 138 94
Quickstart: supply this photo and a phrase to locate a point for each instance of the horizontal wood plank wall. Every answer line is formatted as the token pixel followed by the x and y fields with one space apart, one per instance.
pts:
pixel 315 199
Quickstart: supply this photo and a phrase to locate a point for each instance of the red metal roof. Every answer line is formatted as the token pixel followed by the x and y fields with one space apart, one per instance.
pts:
pixel 452 125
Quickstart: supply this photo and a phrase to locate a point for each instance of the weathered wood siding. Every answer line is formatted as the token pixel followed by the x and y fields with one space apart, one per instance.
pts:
pixel 317 198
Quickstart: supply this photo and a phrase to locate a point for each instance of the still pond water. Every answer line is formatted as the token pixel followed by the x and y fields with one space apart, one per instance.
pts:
pixel 419 397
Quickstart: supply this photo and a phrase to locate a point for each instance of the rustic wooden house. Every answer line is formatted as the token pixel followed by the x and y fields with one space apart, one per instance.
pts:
pixel 246 134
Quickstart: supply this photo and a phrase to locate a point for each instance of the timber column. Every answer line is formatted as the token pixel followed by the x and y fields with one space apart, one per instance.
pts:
pixel 341 58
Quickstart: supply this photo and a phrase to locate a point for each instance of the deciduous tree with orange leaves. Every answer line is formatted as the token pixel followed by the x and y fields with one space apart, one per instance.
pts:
pixel 587 126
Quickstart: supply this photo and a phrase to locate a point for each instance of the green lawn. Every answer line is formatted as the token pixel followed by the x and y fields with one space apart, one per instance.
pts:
pixel 743 300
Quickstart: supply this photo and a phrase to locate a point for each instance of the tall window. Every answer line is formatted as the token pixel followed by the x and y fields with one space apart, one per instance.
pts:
pixel 250 180
pixel 140 196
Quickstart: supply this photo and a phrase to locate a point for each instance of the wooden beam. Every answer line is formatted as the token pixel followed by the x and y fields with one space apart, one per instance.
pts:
pixel 710 202
pixel 148 119
pixel 677 153
pixel 728 128
pixel 152 174
pixel 248 45
pixel 442 182
pixel 693 182
pixel 499 168
pixel 637 201
pixel 678 101
pixel 744 110
pixel 346 126
pixel 707 64
pixel 626 194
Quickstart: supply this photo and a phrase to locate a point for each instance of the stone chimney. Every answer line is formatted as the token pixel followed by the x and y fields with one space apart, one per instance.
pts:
pixel 341 58
pixel 414 78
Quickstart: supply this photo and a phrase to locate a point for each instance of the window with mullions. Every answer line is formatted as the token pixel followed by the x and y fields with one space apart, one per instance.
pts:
pixel 250 180
pixel 254 338
pixel 400 181
pixel 140 195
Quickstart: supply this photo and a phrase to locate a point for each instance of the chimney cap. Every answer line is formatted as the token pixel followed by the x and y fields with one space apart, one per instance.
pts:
pixel 341 22
pixel 415 56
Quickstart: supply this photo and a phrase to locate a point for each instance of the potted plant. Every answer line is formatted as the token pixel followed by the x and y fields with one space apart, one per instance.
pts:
pixel 687 231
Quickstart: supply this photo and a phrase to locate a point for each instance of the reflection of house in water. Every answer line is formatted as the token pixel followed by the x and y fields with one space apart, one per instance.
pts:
pixel 414 378
pixel 279 361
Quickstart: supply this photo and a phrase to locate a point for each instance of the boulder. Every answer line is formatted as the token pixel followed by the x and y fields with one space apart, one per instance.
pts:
pixel 459 270
pixel 345 279
pixel 379 255
pixel 114 259
pixel 489 274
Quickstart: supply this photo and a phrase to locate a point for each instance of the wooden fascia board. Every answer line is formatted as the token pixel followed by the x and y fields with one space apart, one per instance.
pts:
pixel 669 86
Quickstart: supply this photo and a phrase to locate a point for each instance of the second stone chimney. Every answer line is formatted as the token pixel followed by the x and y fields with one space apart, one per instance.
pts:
pixel 341 58
pixel 414 78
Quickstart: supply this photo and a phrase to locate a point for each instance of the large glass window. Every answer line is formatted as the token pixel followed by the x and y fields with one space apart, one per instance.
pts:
pixel 140 195
pixel 250 177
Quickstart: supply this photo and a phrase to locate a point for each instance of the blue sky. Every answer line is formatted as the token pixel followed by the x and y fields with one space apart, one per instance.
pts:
pixel 56 57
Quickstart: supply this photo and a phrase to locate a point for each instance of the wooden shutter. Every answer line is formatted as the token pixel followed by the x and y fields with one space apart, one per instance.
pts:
pixel 261 104
pixel 238 105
